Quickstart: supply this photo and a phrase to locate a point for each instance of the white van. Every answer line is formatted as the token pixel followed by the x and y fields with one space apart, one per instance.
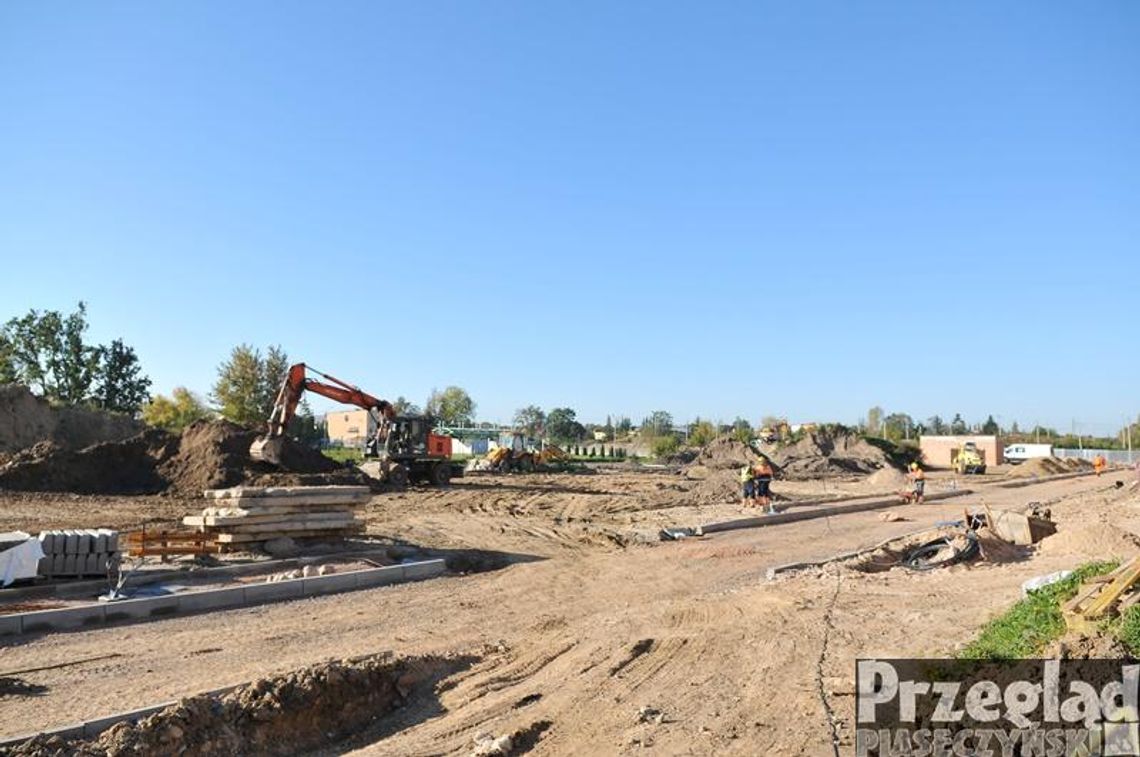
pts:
pixel 1019 453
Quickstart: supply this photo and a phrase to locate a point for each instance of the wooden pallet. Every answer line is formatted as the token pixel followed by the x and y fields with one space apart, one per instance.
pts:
pixel 1101 596
pixel 143 543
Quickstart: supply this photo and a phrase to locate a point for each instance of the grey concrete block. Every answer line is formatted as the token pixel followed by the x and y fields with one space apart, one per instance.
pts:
pixel 58 562
pixel 112 541
pixel 72 547
pixel 147 607
pixel 92 728
pixel 100 543
pixel 425 569
pixel 10 625
pixel 216 599
pixel 55 620
pixel 44 567
pixel 69 563
pixel 337 582
pixel 379 576
pixel 84 543
pixel 47 542
pixel 258 593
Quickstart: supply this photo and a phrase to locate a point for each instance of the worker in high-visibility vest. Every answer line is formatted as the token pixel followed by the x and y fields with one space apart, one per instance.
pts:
pixel 1099 464
pixel 918 477
pixel 748 484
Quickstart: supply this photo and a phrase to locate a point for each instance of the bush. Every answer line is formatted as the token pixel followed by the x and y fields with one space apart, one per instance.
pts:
pixel 664 446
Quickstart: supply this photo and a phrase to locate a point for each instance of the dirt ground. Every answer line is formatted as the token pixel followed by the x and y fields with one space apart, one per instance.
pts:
pixel 592 619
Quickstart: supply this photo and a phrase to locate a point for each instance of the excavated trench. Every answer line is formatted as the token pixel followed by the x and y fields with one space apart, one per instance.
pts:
pixel 301 711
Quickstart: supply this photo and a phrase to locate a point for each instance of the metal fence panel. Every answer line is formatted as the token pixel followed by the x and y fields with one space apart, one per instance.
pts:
pixel 1118 456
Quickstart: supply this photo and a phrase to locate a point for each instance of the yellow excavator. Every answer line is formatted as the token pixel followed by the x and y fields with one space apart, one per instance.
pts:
pixel 518 458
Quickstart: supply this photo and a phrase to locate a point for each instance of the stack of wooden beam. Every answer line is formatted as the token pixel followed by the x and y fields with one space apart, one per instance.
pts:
pixel 244 514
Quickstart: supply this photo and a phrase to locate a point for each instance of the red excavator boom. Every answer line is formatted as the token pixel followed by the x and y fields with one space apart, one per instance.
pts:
pixel 268 448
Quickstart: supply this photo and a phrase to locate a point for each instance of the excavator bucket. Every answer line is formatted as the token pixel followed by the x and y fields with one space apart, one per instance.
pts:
pixel 267 449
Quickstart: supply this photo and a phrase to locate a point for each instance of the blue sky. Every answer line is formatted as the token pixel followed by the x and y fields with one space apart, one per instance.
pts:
pixel 709 208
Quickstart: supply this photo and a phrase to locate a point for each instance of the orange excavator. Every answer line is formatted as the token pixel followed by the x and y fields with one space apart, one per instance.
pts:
pixel 271 447
pixel 405 447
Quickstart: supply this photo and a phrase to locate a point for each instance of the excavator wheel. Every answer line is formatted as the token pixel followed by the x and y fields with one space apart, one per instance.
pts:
pixel 397 476
pixel 440 474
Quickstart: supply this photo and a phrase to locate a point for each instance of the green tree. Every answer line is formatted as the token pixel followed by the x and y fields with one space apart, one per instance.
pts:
pixel 624 426
pixel 122 387
pixel 701 433
pixel 49 354
pixel 530 419
pixel 610 429
pixel 404 406
pixel 562 425
pixel 742 430
pixel 664 445
pixel 875 421
pixel 957 426
pixel 305 428
pixel 991 427
pixel 659 423
pixel 8 373
pixel 898 426
pixel 936 425
pixel 175 412
pixel 248 383
pixel 453 406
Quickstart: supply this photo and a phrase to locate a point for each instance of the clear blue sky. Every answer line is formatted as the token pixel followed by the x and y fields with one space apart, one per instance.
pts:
pixel 804 208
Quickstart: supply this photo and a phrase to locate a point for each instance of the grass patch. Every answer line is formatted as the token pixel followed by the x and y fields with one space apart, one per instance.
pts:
pixel 1129 630
pixel 1025 629
pixel 344 454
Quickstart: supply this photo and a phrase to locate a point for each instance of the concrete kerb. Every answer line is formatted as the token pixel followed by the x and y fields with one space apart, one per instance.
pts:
pixel 150 608
pixel 823 512
pixel 90 729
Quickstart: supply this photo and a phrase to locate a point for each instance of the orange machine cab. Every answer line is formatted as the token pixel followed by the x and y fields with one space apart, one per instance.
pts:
pixel 439 446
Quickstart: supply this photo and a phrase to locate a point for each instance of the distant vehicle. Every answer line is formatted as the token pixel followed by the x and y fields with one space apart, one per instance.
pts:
pixel 970 460
pixel 1019 453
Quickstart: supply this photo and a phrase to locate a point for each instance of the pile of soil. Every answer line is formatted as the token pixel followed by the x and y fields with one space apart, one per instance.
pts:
pixel 716 469
pixel 1049 466
pixel 208 455
pixel 1101 541
pixel 26 419
pixel 298 711
pixel 888 480
pixel 826 454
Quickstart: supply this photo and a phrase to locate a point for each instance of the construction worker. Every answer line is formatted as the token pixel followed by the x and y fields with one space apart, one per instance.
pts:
pixel 748 483
pixel 1099 463
pixel 918 476
pixel 764 484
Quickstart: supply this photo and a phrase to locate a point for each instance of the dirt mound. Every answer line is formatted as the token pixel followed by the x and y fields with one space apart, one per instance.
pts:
pixel 26 420
pixel 829 454
pixel 299 711
pixel 208 455
pixel 1095 540
pixel 1049 466
pixel 725 452
pixel 887 480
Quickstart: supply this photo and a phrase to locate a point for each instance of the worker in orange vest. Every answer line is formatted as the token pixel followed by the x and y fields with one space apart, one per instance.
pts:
pixel 1099 463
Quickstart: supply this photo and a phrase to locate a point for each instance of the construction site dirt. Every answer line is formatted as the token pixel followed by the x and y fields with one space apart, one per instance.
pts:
pixel 585 621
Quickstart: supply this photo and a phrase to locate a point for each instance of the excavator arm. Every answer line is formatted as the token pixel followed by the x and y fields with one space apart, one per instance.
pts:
pixel 269 447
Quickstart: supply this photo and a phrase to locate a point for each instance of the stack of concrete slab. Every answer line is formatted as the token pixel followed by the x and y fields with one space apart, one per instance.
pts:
pixel 75 553
pixel 247 514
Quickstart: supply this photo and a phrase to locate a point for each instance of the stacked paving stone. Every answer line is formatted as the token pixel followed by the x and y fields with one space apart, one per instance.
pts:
pixel 245 514
pixel 75 553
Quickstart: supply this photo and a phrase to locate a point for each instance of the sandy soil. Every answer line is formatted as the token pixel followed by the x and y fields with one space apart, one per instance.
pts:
pixel 590 622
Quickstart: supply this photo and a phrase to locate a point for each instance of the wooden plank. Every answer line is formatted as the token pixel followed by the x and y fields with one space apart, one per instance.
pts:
pixel 315 500
pixel 1123 581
